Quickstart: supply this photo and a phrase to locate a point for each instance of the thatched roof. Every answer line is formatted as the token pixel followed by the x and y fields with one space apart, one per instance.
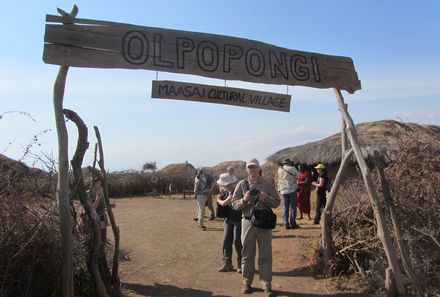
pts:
pixel 179 169
pixel 381 136
pixel 8 166
pixel 239 166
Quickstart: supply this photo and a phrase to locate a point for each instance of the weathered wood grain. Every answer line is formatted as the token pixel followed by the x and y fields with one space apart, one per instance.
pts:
pixel 101 44
pixel 221 95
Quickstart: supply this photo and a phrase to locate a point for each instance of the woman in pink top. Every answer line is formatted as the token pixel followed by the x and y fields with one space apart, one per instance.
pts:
pixel 304 184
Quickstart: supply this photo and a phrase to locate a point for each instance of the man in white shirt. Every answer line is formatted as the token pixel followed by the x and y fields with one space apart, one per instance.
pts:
pixel 288 188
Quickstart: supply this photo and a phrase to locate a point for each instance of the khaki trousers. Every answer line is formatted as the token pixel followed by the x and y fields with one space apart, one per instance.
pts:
pixel 210 206
pixel 201 202
pixel 250 237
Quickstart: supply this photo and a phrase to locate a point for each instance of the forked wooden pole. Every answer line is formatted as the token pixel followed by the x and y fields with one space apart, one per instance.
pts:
pixel 327 238
pixel 80 191
pixel 406 261
pixel 115 268
pixel 382 229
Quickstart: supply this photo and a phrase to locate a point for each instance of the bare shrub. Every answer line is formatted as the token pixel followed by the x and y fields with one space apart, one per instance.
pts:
pixel 30 249
pixel 358 249
pixel 29 234
pixel 413 176
pixel 129 184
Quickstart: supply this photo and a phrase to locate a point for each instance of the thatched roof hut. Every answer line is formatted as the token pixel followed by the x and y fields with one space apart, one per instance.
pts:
pixel 239 166
pixel 178 169
pixel 381 136
pixel 9 166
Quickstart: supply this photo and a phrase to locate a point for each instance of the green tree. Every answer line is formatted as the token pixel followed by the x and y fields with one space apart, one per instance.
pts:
pixel 150 166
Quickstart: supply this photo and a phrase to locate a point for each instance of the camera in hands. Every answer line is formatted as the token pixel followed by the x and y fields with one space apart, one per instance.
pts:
pixel 254 192
pixel 224 195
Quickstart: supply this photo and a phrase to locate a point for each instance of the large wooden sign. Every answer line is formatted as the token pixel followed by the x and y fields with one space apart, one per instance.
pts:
pixel 214 94
pixel 101 44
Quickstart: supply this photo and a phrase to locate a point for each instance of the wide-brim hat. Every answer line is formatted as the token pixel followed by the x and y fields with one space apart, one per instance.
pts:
pixel 226 179
pixel 286 161
pixel 319 166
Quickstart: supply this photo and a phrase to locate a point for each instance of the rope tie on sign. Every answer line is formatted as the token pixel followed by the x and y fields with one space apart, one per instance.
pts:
pixel 287 89
pixel 225 83
pixel 157 74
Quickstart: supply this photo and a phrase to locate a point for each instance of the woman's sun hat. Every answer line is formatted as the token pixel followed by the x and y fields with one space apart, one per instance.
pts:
pixel 226 179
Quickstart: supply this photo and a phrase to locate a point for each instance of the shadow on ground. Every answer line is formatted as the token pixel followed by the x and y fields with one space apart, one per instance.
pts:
pixel 297 272
pixel 292 294
pixel 290 236
pixel 159 290
pixel 167 290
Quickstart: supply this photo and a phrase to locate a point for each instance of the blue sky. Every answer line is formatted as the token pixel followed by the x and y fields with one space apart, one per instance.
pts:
pixel 394 45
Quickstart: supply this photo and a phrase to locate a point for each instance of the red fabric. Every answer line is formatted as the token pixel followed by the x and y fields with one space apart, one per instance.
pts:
pixel 304 193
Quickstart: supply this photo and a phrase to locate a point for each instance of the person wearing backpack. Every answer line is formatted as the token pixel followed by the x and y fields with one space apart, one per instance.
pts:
pixel 288 188
pixel 251 194
pixel 321 191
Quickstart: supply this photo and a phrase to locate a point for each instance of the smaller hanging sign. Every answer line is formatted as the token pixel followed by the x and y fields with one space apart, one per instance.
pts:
pixel 166 89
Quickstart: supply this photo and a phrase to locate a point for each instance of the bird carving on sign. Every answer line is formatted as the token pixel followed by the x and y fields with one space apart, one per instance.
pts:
pixel 72 14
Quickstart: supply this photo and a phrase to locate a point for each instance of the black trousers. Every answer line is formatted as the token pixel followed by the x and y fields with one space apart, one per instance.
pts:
pixel 320 205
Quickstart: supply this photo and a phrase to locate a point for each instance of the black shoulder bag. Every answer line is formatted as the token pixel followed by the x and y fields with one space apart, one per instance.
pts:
pixel 222 211
pixel 263 218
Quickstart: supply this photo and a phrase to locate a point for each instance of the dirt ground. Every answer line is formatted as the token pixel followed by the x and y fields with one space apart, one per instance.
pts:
pixel 170 257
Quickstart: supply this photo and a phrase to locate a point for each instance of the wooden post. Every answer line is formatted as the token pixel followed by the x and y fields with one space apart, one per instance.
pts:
pixel 63 185
pixel 418 288
pixel 115 228
pixel 344 144
pixel 77 160
pixel 327 238
pixel 382 229
pixel 63 177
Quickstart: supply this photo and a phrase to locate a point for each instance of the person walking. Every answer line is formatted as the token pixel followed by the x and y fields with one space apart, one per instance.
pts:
pixel 200 193
pixel 304 184
pixel 261 193
pixel 321 189
pixel 208 179
pixel 232 224
pixel 288 188
pixel 231 171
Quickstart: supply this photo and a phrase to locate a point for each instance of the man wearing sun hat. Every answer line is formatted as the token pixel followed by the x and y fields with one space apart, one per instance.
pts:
pixel 246 194
pixel 288 188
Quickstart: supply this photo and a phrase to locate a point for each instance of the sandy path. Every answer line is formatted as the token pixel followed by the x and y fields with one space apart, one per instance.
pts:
pixel 170 257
